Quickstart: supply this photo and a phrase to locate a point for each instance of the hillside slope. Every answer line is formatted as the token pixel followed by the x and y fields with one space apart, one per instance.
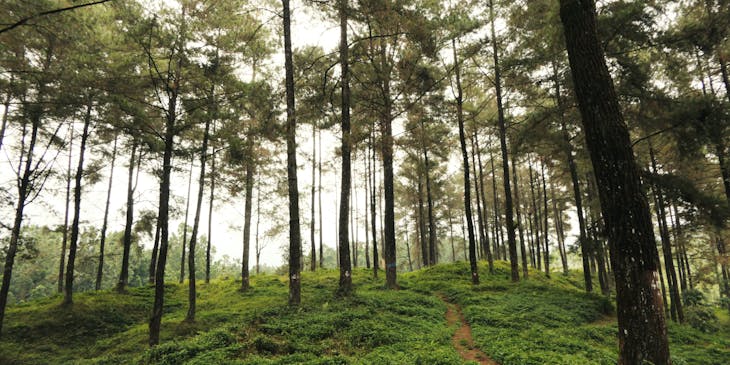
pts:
pixel 540 321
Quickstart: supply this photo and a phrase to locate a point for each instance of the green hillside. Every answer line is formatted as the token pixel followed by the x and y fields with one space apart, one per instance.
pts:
pixel 539 321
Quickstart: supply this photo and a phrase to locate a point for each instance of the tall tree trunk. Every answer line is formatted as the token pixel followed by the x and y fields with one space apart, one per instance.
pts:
pixel 684 259
pixel 585 244
pixel 641 323
pixel 373 214
pixel 24 191
pixel 367 201
pixel 597 252
pixel 64 240
pixel 190 316
pixel 546 215
pixel 345 284
pixel 258 220
pixel 536 212
pixel 164 205
pixel 185 223
pixel 250 171
pixel 481 238
pixel 210 216
pixel 408 250
pixel 102 241
pixel 387 152
pixel 68 288
pixel 155 250
pixel 495 199
pixel 479 187
pixel 319 197
pixel 465 161
pixel 295 240
pixel 421 219
pixel 676 301
pixel 511 240
pixel 313 249
pixel 127 238
pixel 432 249
pixel 451 233
pixel 559 229
pixel 523 250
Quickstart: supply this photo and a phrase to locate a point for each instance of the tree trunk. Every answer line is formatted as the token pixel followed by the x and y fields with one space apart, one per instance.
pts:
pixel 185 223
pixel 373 214
pixel 483 218
pixel 258 220
pixel 345 284
pixel 546 215
pixel 295 240
pixel 559 229
pixel 319 189
pixel 313 249
pixel 155 250
pixel 511 240
pixel 432 249
pixel 68 289
pixel 421 220
pixel 190 316
pixel 64 240
pixel 367 200
pixel 250 171
pixel 536 212
pixel 164 207
pixel 210 217
pixel 387 152
pixel 102 241
pixel 641 323
pixel 127 239
pixel 465 161
pixel 24 190
pixel 523 250
pixel 676 301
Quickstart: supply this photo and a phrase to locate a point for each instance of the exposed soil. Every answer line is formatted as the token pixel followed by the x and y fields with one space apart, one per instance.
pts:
pixel 462 340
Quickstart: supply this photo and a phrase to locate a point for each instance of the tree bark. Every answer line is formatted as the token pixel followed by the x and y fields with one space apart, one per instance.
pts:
pixel 483 215
pixel 523 250
pixel 248 181
pixel 676 300
pixel 102 241
pixel 465 161
pixel 68 288
pixel 127 238
pixel 545 216
pixel 185 223
pixel 24 190
pixel 373 209
pixel 295 240
pixel 64 240
pixel 345 283
pixel 511 240
pixel 211 203
pixel 432 249
pixel 190 316
pixel 536 212
pixel 313 249
pixel 641 323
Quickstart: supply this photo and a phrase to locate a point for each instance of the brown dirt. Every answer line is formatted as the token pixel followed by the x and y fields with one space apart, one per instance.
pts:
pixel 462 340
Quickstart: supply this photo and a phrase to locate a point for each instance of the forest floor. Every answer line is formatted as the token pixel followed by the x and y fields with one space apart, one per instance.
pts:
pixel 437 318
pixel 462 340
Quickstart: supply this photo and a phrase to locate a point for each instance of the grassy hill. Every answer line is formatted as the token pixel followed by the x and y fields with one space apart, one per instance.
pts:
pixel 540 321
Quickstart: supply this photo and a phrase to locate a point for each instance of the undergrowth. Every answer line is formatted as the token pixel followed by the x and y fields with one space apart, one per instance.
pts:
pixel 539 321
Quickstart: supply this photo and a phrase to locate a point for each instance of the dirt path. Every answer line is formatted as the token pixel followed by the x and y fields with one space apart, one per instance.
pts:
pixel 462 340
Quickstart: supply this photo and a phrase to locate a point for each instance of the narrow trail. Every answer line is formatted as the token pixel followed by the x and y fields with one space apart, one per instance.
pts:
pixel 462 340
